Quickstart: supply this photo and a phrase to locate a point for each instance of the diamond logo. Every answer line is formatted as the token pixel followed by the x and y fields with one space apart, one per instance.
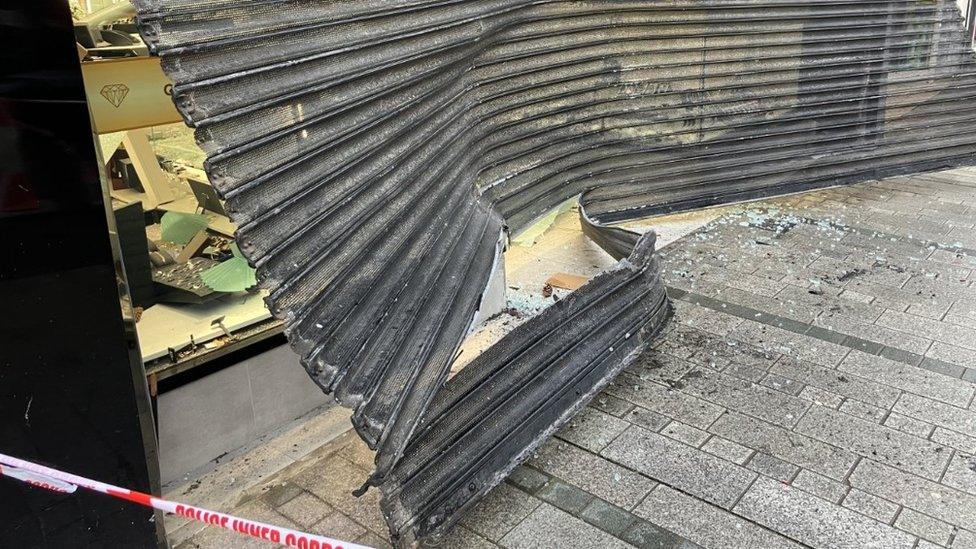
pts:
pixel 115 93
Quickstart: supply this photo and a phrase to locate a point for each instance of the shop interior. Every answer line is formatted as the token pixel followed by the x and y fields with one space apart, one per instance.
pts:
pixel 191 294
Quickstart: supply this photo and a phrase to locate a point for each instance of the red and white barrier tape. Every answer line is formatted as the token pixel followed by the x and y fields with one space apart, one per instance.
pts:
pixel 58 481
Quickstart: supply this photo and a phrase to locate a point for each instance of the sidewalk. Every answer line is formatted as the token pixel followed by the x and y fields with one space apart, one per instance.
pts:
pixel 815 389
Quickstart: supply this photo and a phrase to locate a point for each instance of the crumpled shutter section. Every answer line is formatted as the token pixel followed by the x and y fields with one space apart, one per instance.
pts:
pixel 533 381
pixel 375 152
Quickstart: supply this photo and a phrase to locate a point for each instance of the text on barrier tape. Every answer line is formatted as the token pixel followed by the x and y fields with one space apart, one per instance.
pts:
pixel 59 481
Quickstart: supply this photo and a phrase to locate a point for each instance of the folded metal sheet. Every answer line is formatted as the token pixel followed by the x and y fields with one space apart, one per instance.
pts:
pixel 374 154
pixel 481 425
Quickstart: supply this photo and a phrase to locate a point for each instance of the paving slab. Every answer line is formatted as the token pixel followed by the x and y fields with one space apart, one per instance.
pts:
pixel 792 344
pixel 593 429
pixel 814 521
pixel 820 486
pixel 821 397
pixel 706 524
pixel 745 397
pixel 877 508
pixel 676 464
pixel 965 539
pixel 772 467
pixel 335 482
pixel 594 474
pixel 867 412
pixel 305 509
pixel 924 527
pixel 503 509
pixel 895 448
pixel 727 450
pixel 607 517
pixel 611 405
pixel 664 400
pixel 645 535
pixel 925 496
pixel 929 328
pixel 646 418
pixel 952 353
pixel 909 378
pixel 685 433
pixel 548 527
pixel 908 425
pixel 937 413
pixel 961 472
pixel 800 450
pixel 953 439
pixel 838 382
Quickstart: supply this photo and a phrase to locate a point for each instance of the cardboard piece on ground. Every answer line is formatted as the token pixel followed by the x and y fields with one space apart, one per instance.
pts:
pixel 567 281
pixel 193 247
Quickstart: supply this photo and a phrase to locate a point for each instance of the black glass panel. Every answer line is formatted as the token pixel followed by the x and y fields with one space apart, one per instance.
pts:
pixel 67 395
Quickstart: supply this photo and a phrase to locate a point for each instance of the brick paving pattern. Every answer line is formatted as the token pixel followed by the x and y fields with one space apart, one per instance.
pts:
pixel 816 389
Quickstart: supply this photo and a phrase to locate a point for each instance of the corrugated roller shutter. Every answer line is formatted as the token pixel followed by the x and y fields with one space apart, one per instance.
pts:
pixel 372 151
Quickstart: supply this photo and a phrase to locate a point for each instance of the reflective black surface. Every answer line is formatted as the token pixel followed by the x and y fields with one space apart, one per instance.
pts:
pixel 67 397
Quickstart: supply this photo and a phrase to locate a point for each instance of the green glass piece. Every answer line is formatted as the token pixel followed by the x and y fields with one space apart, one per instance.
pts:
pixel 233 275
pixel 179 227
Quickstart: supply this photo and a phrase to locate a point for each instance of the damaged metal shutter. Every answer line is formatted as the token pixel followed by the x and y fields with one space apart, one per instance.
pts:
pixel 374 152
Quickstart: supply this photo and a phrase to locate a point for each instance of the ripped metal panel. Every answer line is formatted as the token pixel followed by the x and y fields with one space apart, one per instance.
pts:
pixel 503 405
pixel 374 152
